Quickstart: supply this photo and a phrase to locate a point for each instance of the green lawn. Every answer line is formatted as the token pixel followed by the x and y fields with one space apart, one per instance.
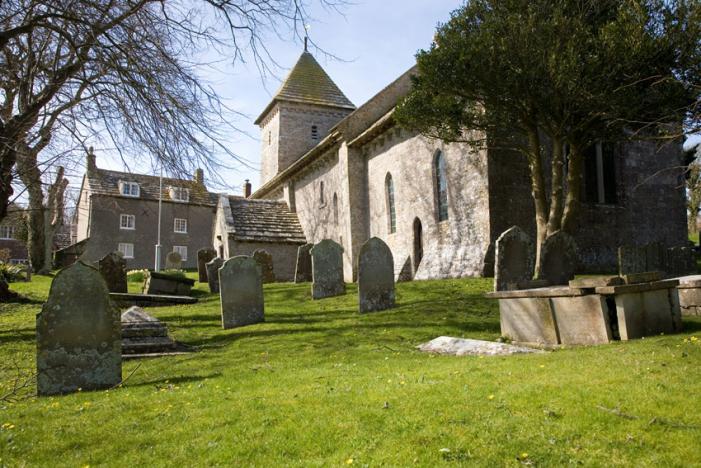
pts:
pixel 320 385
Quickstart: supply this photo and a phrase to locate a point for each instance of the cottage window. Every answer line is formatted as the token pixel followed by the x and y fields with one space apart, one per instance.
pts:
pixel 180 194
pixel 127 221
pixel 127 250
pixel 7 232
pixel 129 189
pixel 315 133
pixel 182 250
pixel 600 174
pixel 391 210
pixel 441 185
pixel 180 226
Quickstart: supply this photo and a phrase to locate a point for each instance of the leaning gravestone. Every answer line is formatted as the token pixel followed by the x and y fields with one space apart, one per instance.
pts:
pixel 327 270
pixel 241 288
pixel 113 269
pixel 515 259
pixel 174 261
pixel 303 270
pixel 78 334
pixel 213 274
pixel 558 258
pixel 265 260
pixel 204 256
pixel 375 276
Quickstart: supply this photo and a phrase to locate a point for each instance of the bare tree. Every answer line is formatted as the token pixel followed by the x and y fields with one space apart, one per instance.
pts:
pixel 73 69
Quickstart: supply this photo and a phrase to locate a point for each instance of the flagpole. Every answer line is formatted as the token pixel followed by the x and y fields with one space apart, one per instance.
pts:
pixel 160 205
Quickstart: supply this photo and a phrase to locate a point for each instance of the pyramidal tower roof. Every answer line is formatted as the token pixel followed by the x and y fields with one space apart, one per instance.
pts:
pixel 308 83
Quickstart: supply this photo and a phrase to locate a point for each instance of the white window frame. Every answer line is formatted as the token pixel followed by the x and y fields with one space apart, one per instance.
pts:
pixel 124 248
pixel 175 225
pixel 129 189
pixel 7 232
pixel 127 227
pixel 182 250
pixel 176 194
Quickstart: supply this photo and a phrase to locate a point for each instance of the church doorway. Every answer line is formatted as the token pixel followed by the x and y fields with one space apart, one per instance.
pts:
pixel 418 244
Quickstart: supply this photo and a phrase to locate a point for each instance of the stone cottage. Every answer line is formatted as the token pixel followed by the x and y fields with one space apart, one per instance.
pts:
pixel 244 225
pixel 12 236
pixel 351 173
pixel 118 211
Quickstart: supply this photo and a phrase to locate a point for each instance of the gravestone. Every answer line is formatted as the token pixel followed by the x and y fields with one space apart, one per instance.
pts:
pixel 406 273
pixel 327 270
pixel 303 270
pixel 631 260
pixel 679 261
pixel 558 258
pixel 113 269
pixel 78 334
pixel 241 286
pixel 213 274
pixel 174 261
pixel 204 256
pixel 265 260
pixel 375 276
pixel 515 259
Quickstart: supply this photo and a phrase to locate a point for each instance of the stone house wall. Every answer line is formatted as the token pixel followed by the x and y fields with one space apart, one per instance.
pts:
pixel 105 234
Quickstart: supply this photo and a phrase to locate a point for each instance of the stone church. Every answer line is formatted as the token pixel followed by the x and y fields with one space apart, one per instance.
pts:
pixel 350 173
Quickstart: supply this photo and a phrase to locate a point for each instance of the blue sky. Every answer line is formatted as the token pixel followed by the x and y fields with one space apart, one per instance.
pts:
pixel 375 40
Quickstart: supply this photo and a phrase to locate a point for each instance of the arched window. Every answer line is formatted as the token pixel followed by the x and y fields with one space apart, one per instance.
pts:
pixel 391 210
pixel 321 193
pixel 441 186
pixel 335 209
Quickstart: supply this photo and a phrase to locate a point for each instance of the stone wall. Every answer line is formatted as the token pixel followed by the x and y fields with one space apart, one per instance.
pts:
pixel 650 203
pixel 105 233
pixel 454 247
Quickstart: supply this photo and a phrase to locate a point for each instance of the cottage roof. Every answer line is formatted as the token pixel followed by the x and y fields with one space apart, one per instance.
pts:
pixel 263 221
pixel 106 182
pixel 308 83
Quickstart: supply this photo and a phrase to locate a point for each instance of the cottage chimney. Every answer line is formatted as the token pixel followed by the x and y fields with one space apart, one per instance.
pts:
pixel 92 165
pixel 199 176
pixel 247 189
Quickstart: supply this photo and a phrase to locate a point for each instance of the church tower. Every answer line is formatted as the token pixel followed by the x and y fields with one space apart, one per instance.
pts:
pixel 305 108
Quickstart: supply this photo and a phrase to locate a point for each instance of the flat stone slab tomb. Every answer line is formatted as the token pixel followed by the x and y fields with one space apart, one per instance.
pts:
pixel 589 312
pixel 468 347
pixel 149 300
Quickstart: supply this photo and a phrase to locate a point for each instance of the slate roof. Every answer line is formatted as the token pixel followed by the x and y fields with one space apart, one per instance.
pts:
pixel 264 221
pixel 106 182
pixel 308 83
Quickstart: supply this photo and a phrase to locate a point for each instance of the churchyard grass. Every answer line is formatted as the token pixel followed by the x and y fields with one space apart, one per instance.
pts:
pixel 318 384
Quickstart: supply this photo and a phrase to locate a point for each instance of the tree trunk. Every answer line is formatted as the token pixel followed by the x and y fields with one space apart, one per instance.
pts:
pixel 30 175
pixel 575 176
pixel 7 163
pixel 556 187
pixel 5 293
pixel 538 191
pixel 53 218
pixel 693 186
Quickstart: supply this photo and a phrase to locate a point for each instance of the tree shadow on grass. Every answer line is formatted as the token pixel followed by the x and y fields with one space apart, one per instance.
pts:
pixel 691 326
pixel 18 335
pixel 174 380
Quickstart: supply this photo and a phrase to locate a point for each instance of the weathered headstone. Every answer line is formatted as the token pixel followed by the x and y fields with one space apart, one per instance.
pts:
pixel 113 269
pixel 558 258
pixel 174 261
pixel 213 274
pixel 375 276
pixel 680 261
pixel 303 270
pixel 327 270
pixel 241 288
pixel 204 256
pixel 515 259
pixel 655 257
pixel 265 260
pixel 78 334
pixel 631 260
